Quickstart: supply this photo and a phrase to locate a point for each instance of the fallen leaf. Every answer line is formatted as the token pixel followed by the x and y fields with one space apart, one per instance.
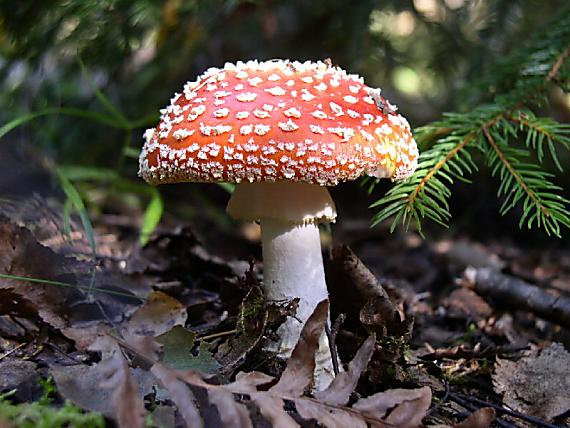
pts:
pixel 177 348
pixel 380 314
pixel 187 387
pixel 232 413
pixel 250 381
pixel 180 394
pixel 271 408
pixel 23 256
pixel 159 314
pixel 81 384
pixel 299 372
pixel 537 384
pixel 464 303
pixel 409 406
pixel 61 291
pixel 11 303
pixel 481 418
pixel 329 416
pixel 338 392
pixel 128 404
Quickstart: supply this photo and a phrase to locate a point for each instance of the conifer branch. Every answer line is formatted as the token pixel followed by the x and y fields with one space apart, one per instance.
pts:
pixel 514 172
pixel 496 130
pixel 439 165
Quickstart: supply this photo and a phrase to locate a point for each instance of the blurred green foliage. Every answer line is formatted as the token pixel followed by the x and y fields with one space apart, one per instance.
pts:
pixel 86 77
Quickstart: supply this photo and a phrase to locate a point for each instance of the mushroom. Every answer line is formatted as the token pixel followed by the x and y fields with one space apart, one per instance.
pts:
pixel 282 131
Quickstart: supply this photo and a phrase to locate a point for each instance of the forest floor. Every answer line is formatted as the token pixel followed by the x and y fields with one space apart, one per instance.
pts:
pixel 461 327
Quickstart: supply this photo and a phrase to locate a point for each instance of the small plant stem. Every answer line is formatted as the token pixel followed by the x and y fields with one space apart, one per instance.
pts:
pixel 331 334
pixel 11 351
pixel 216 335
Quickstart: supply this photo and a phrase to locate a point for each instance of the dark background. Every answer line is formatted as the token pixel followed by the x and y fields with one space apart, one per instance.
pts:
pixel 127 58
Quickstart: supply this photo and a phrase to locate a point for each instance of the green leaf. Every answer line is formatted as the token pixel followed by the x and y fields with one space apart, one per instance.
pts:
pixel 82 173
pixel 69 285
pixel 73 195
pixel 152 216
pixel 23 119
pixel 178 344
pixel 104 100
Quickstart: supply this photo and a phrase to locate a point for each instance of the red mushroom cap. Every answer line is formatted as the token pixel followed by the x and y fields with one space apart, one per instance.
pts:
pixel 278 121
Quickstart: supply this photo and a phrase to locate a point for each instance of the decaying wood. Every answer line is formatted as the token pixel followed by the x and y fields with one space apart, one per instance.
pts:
pixel 516 293
pixel 362 278
pixel 351 271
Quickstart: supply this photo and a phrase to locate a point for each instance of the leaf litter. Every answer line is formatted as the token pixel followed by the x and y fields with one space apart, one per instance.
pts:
pixel 106 337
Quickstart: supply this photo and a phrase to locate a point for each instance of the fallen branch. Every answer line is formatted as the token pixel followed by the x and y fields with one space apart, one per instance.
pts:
pixel 516 293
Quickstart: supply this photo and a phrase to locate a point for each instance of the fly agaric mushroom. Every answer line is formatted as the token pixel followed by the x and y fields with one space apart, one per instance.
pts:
pixel 282 131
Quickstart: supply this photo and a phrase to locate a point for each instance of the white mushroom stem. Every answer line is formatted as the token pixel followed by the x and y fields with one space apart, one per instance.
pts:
pixel 293 268
pixel 292 259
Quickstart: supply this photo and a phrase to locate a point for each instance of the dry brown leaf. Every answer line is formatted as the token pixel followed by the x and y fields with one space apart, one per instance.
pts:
pixel 411 412
pixel 157 316
pixel 232 413
pixel 22 255
pixel 80 293
pixel 250 381
pixel 81 384
pixel 129 406
pixel 338 392
pixel 271 408
pixel 330 417
pixel 464 303
pixel 298 374
pixel 180 394
pixel 538 384
pixel 482 418
pixel 409 406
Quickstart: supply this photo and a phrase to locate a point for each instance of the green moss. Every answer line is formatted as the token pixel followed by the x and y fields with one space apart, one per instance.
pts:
pixel 41 414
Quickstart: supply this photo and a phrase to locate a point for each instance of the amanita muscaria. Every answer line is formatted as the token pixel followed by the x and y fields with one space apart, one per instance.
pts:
pixel 282 131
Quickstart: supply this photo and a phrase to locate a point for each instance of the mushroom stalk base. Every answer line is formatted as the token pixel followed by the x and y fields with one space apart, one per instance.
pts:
pixel 293 267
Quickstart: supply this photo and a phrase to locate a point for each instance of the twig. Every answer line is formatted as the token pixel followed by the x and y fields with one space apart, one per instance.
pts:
pixel 473 408
pixel 331 335
pixel 58 349
pixel 11 351
pixel 443 399
pixel 216 335
pixel 517 293
pixel 508 412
